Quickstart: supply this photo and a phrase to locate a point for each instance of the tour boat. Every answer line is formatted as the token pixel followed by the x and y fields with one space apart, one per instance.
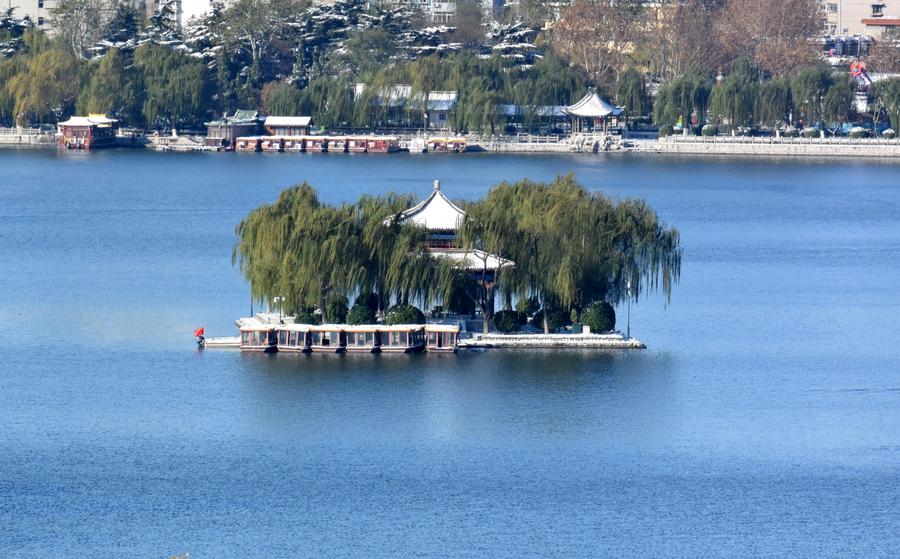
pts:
pixel 441 338
pixel 382 144
pixel 402 338
pixel 337 145
pixel 327 338
pixel 363 338
pixel 247 143
pixel 357 145
pixel 293 143
pixel 258 336
pixel 271 143
pixel 294 338
pixel 315 144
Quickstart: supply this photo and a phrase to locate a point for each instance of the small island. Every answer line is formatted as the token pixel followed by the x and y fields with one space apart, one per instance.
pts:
pixel 553 257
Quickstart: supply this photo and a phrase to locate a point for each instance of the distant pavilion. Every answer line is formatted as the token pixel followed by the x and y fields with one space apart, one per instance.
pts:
pixel 443 219
pixel 592 112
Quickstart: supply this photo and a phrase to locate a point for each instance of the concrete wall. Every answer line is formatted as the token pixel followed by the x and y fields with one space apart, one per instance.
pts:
pixel 841 147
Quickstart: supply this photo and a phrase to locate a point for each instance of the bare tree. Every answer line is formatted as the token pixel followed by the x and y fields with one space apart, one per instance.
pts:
pixel 80 23
pixel 594 36
pixel 775 34
pixel 258 24
pixel 677 40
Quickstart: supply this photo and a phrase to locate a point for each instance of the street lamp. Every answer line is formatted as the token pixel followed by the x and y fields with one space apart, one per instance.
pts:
pixel 628 327
pixel 278 301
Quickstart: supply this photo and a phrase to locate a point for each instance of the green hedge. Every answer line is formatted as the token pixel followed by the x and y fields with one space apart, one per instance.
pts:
pixel 709 130
pixel 600 316
pixel 556 319
pixel 306 317
pixel 404 314
pixel 811 133
pixel 508 322
pixel 361 314
pixel 666 131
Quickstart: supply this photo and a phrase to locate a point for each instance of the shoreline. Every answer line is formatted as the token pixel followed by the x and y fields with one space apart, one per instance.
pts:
pixel 799 148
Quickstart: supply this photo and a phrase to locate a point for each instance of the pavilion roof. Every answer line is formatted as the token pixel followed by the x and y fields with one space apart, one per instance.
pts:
pixel 90 120
pixel 435 213
pixel 473 260
pixel 593 106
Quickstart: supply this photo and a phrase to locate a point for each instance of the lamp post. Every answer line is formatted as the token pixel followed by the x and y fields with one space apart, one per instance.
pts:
pixel 278 301
pixel 628 327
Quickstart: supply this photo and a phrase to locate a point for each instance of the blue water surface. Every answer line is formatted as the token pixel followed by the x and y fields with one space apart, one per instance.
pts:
pixel 763 420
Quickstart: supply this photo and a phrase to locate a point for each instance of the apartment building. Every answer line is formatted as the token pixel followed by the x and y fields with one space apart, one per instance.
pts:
pixel 37 11
pixel 860 17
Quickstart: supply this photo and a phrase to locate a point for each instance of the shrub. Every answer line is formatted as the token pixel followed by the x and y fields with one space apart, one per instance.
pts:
pixel 666 131
pixel 508 321
pixel 857 132
pixel 556 319
pixel 404 314
pixel 811 133
pixel 336 309
pixel 600 316
pixel 361 313
pixel 791 132
pixel 889 134
pixel 305 316
pixel 709 130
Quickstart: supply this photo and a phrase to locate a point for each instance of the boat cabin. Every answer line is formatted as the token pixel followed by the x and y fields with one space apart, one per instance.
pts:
pixel 337 145
pixel 454 145
pixel 382 144
pixel 294 338
pixel 402 338
pixel 328 338
pixel 293 143
pixel 271 143
pixel 258 337
pixel 315 144
pixel 88 132
pixel 357 145
pixel 288 125
pixel 364 338
pixel 247 143
pixel 441 338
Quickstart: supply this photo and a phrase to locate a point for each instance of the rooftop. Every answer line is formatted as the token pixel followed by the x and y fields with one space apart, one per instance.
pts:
pixel 592 106
pixel 435 213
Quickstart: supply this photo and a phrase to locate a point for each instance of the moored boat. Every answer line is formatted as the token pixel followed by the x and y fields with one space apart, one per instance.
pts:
pixel 294 338
pixel 365 338
pixel 402 338
pixel 327 338
pixel 258 336
pixel 441 338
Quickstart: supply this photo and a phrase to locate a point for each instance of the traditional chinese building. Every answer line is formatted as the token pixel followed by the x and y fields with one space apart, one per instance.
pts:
pixel 443 219
pixel 224 132
pixel 592 113
pixel 288 125
pixel 88 132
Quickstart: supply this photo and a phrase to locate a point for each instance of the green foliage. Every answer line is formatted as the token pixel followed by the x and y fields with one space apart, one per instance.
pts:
pixel 556 319
pixel 600 316
pixel 110 89
pixel 508 322
pixel 631 93
pixel 889 134
pixel 361 313
pixel 680 98
pixel 709 130
pixel 811 133
pixel 732 101
pixel 282 99
pixel 44 87
pixel 858 133
pixel 176 87
pixel 336 309
pixel 666 130
pixel 305 316
pixel 404 314
pixel 838 103
pixel 808 89
pixel 888 91
pixel 773 102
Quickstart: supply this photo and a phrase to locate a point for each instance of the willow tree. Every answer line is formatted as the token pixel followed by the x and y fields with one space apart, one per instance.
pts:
pixel 571 247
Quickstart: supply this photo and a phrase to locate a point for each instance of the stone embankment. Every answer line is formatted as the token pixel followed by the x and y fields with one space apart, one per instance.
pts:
pixel 528 143
pixel 27 137
pixel 788 147
pixel 614 340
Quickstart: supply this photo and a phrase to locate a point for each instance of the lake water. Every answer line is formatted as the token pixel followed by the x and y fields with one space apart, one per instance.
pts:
pixel 763 420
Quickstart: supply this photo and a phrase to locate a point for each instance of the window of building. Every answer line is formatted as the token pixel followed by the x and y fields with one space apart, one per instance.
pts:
pixel 40 3
pixel 877 9
pixel 40 21
pixel 831 8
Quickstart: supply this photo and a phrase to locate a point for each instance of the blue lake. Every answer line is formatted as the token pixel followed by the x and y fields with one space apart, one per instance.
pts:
pixel 763 420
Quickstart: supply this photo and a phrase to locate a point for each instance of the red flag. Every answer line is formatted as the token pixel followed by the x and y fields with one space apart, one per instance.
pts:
pixel 200 331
